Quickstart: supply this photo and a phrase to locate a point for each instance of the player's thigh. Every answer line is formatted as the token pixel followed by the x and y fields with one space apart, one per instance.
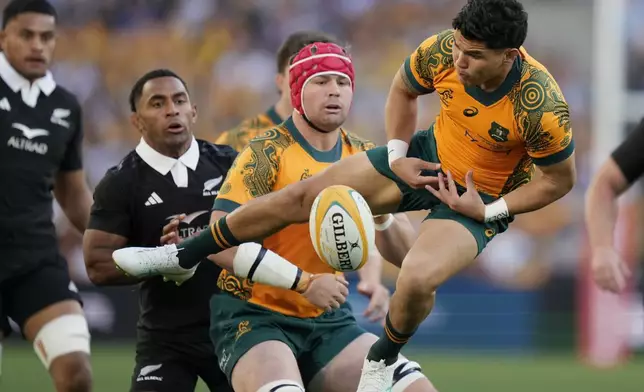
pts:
pixel 447 243
pixel 343 372
pixel 46 305
pixel 253 344
pixel 162 374
pixel 358 172
pixel 213 377
pixel 333 332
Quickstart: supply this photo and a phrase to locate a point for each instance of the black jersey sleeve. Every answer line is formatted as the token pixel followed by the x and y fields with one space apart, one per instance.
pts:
pixel 629 155
pixel 111 209
pixel 73 159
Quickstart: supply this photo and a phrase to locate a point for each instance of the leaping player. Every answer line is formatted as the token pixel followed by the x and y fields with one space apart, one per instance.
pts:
pixel 502 114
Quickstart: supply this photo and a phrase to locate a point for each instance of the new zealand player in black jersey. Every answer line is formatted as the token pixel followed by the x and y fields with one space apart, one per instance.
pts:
pixel 170 174
pixel 40 152
pixel 616 175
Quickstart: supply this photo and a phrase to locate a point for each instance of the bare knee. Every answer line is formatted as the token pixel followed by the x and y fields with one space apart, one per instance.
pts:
pixel 72 373
pixel 420 284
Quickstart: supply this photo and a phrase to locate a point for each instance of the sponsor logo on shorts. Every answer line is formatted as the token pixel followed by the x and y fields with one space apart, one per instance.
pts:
pixel 146 370
pixel 242 328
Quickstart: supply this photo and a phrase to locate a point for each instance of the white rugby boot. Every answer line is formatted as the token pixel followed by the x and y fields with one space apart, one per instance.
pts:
pixel 376 376
pixel 144 262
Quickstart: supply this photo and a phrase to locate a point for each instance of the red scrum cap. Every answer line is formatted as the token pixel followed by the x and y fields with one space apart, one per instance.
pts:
pixel 318 58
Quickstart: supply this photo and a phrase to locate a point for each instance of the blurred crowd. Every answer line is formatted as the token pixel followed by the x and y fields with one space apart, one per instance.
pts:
pixel 224 49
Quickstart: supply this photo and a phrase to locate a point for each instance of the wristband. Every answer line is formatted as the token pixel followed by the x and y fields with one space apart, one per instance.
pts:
pixel 496 211
pixel 396 149
pixel 385 225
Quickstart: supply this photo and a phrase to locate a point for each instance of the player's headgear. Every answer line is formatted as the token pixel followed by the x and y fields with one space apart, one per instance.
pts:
pixel 316 59
pixel 17 7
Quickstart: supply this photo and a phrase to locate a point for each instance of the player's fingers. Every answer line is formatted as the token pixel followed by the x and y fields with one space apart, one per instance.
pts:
pixel 451 185
pixel 168 238
pixel 424 165
pixel 469 180
pixel 342 279
pixel 441 183
pixel 343 290
pixel 616 275
pixel 623 267
pixel 334 303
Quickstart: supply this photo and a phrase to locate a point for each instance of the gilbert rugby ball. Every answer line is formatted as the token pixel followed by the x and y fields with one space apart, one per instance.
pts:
pixel 342 228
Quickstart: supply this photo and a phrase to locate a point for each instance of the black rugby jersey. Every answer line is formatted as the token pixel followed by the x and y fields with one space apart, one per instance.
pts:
pixel 135 200
pixel 40 135
pixel 629 157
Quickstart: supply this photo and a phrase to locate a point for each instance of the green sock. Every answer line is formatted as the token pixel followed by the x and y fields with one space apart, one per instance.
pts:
pixel 389 345
pixel 208 242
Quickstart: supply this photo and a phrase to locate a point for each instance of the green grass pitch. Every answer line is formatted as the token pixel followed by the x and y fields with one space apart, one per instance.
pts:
pixel 22 372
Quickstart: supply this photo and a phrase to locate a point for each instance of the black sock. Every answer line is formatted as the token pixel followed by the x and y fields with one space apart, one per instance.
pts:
pixel 208 242
pixel 389 345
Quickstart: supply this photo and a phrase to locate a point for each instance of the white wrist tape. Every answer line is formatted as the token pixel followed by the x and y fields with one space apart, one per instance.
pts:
pixel 496 211
pixel 385 225
pixel 258 264
pixel 396 149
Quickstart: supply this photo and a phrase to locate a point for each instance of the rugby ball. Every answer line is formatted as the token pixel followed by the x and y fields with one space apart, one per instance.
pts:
pixel 342 228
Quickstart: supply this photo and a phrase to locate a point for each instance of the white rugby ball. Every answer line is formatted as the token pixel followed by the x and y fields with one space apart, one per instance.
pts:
pixel 342 228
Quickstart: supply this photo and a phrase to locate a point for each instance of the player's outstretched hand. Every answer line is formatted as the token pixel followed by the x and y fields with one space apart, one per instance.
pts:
pixel 410 170
pixel 327 291
pixel 378 296
pixel 469 203
pixel 610 272
pixel 171 231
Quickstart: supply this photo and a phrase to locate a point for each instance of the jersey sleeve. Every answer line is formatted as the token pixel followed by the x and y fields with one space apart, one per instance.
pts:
pixel 628 156
pixel 422 67
pixel 546 121
pixel 73 159
pixel 111 209
pixel 253 174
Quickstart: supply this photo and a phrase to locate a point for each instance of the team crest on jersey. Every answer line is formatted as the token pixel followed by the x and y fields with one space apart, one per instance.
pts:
pixel 446 96
pixel 498 133
pixel 210 185
pixel 305 175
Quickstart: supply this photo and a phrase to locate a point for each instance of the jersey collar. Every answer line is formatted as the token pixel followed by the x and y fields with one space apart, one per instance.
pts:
pixel 162 163
pixel 17 82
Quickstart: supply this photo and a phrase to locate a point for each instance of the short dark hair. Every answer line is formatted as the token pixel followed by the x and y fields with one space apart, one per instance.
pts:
pixel 17 7
pixel 296 42
pixel 137 89
pixel 500 24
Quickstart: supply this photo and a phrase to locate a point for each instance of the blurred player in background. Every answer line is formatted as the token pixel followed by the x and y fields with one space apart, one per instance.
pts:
pixel 40 152
pixel 615 176
pixel 501 114
pixel 169 174
pixel 269 338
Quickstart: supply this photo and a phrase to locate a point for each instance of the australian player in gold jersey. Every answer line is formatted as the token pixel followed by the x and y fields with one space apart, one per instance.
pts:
pixel 502 117
pixel 239 137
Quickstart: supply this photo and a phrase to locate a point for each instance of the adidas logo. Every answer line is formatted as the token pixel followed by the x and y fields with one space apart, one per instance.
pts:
pixel 153 199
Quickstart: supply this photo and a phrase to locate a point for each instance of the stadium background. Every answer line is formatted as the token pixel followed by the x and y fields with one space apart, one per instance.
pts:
pixel 513 321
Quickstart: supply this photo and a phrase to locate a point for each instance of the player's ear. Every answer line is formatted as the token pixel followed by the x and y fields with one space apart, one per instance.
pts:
pixel 194 114
pixel 136 122
pixel 511 55
pixel 3 35
pixel 279 81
